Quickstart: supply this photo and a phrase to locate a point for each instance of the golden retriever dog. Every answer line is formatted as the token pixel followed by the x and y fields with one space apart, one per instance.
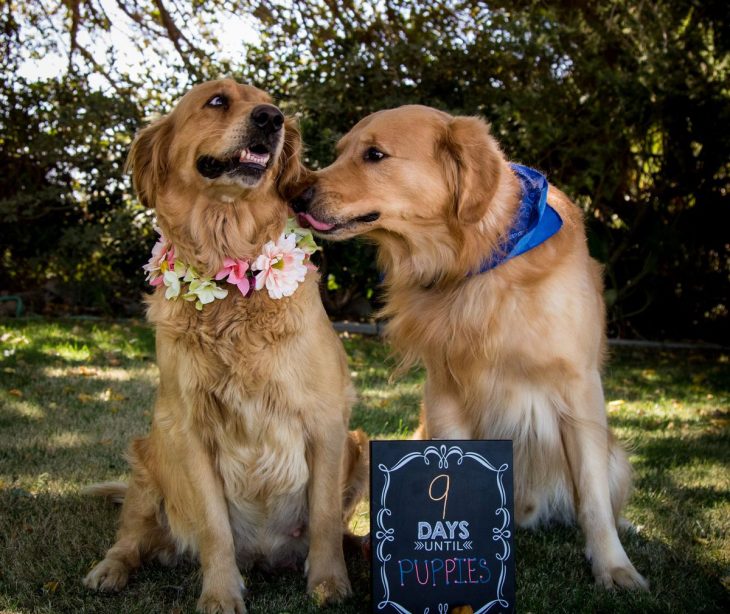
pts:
pixel 513 346
pixel 248 460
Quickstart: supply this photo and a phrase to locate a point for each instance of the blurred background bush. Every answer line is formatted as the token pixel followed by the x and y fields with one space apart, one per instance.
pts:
pixel 625 106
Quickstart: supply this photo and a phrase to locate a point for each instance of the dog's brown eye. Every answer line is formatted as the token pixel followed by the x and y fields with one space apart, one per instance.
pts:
pixel 373 154
pixel 218 101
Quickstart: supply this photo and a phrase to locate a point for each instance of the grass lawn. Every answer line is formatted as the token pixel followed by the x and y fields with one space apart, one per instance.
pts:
pixel 72 395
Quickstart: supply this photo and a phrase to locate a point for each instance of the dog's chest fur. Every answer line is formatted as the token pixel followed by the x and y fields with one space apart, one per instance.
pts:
pixel 500 365
pixel 234 364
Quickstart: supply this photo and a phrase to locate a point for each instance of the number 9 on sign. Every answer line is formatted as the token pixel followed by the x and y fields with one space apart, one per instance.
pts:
pixel 445 495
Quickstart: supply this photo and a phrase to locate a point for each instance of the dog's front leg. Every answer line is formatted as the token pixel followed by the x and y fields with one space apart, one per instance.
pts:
pixel 222 583
pixel 442 415
pixel 327 579
pixel 586 441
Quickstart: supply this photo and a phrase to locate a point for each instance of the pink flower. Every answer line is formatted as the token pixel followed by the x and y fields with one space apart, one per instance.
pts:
pixel 235 271
pixel 160 255
pixel 280 267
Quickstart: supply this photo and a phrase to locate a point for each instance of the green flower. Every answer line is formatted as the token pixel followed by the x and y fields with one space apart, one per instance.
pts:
pixel 305 240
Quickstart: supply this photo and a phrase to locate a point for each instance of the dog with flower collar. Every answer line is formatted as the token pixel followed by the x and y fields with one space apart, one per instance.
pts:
pixel 248 460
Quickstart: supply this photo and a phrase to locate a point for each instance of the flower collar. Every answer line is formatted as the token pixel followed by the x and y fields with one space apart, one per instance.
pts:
pixel 280 268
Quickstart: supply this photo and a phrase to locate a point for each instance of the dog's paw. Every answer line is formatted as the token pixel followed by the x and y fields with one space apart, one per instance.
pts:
pixel 216 598
pixel 109 575
pixel 329 590
pixel 218 604
pixel 624 576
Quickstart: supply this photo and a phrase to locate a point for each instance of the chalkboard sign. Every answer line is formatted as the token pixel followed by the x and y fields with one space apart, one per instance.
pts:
pixel 441 515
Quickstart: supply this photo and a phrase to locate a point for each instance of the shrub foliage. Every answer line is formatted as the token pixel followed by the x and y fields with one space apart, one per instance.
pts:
pixel 624 105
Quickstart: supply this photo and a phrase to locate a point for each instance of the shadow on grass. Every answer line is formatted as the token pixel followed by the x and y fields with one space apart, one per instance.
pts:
pixel 662 453
pixel 678 375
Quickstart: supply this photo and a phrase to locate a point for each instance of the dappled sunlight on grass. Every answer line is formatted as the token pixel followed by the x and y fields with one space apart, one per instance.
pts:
pixel 24 409
pixel 68 439
pixel 62 440
pixel 82 342
pixel 109 373
pixel 360 523
pixel 68 351
pixel 44 484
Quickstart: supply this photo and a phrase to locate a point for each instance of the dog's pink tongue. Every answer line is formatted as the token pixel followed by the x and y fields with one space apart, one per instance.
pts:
pixel 314 223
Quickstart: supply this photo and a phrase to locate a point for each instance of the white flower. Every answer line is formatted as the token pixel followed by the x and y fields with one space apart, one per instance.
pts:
pixel 280 267
pixel 203 291
pixel 172 280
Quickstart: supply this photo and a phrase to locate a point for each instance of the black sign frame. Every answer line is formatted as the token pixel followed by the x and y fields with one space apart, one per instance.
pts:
pixel 401 467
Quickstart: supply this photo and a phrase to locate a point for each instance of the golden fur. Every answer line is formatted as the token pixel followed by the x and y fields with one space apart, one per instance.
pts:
pixel 248 459
pixel 514 353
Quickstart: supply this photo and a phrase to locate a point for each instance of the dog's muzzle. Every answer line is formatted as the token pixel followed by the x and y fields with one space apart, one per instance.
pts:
pixel 252 158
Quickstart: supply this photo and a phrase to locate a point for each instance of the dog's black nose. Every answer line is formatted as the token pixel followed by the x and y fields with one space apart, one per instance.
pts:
pixel 267 117
pixel 301 203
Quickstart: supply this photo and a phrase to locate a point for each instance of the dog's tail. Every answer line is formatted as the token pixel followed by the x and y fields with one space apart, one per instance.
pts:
pixel 113 491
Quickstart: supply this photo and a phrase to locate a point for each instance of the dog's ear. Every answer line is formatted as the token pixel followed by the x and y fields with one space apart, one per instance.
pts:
pixel 472 164
pixel 291 170
pixel 148 159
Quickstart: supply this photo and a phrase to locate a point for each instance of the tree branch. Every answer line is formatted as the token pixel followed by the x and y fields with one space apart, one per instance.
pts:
pixel 73 7
pixel 122 91
pixel 137 18
pixel 174 34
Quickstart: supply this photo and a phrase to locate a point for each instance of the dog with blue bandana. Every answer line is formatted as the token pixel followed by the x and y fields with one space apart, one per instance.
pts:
pixel 489 284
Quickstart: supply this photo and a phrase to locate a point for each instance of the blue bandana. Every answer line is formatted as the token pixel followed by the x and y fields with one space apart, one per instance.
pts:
pixel 536 220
